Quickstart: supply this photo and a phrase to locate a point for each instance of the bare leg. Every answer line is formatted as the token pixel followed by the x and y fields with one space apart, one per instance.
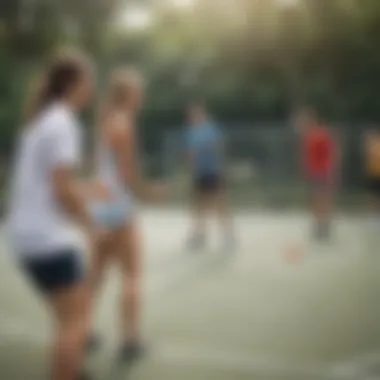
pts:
pixel 103 255
pixel 72 312
pixel 221 206
pixel 223 212
pixel 322 213
pixel 199 214
pixel 128 256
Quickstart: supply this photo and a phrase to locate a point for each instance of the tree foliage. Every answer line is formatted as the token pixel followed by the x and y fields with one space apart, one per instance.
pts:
pixel 249 59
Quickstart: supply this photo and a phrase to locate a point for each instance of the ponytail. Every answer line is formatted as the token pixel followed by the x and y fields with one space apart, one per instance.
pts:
pixel 35 99
pixel 62 71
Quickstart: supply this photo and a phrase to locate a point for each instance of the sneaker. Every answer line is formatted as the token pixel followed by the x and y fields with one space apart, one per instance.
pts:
pixel 321 232
pixel 84 376
pixel 196 243
pixel 230 244
pixel 131 351
pixel 93 343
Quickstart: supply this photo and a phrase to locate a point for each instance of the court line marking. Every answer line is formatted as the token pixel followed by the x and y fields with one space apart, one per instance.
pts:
pixel 232 360
pixel 357 365
pixel 14 330
pixel 229 360
pixel 219 358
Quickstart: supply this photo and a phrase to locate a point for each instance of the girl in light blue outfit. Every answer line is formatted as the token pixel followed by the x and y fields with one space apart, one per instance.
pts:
pixel 112 204
pixel 117 208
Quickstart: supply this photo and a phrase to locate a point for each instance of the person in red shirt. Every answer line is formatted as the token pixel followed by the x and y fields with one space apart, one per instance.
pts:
pixel 319 160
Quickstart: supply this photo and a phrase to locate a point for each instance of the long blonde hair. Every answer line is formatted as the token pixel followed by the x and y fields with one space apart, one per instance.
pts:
pixel 122 84
pixel 121 87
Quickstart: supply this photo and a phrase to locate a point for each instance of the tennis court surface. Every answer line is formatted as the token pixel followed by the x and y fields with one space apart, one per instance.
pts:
pixel 253 314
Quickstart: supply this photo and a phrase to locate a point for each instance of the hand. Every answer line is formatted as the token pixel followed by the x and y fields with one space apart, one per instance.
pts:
pixel 99 190
pixel 95 237
pixel 158 192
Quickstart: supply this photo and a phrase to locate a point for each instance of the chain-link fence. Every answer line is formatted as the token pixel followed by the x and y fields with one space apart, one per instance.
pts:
pixel 263 166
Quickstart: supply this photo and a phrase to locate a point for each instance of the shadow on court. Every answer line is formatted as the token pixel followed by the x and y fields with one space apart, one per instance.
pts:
pixel 249 315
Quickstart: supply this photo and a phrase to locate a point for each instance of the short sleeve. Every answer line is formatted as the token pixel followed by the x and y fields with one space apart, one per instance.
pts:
pixel 215 131
pixel 217 135
pixel 63 144
pixel 188 141
pixel 324 140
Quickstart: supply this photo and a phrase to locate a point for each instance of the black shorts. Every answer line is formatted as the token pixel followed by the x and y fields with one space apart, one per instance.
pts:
pixel 373 186
pixel 208 183
pixel 56 271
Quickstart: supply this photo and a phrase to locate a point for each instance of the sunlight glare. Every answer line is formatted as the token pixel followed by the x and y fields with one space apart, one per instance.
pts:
pixel 287 3
pixel 135 18
pixel 182 4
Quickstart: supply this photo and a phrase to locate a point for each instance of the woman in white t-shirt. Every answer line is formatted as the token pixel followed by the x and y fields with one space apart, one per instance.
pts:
pixel 119 181
pixel 45 200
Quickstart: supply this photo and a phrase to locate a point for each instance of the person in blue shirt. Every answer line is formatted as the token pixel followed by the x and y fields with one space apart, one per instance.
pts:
pixel 204 151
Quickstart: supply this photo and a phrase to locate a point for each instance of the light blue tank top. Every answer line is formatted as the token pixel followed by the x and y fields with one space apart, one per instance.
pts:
pixel 107 173
pixel 119 208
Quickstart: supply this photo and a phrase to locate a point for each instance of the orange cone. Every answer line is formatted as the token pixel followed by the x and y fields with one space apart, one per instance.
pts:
pixel 293 252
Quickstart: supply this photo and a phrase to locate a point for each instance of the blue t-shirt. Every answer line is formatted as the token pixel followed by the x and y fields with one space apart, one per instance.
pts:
pixel 203 142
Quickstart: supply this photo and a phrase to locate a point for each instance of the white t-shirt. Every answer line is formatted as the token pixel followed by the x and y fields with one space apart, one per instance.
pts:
pixel 37 223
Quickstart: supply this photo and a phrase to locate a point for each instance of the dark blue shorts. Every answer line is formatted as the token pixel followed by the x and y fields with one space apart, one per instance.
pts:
pixel 208 183
pixel 56 271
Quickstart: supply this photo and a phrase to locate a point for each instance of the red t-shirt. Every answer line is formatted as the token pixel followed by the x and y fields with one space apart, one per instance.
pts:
pixel 318 152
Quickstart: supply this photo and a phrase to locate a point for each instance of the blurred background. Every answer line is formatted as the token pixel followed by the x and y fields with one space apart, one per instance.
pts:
pixel 250 61
pixel 254 315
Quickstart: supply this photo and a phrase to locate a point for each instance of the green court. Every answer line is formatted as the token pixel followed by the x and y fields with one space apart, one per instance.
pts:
pixel 216 316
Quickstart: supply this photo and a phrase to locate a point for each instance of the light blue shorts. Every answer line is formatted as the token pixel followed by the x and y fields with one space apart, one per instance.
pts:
pixel 111 214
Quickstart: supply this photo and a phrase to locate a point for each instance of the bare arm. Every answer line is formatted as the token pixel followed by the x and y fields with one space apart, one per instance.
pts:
pixel 219 146
pixel 187 151
pixel 64 148
pixel 69 192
